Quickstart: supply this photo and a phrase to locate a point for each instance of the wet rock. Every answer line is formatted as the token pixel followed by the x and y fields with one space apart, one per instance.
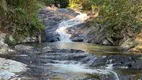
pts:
pixel 51 19
pixel 78 32
pixel 98 35
pixel 95 34
pixel 77 39
pixel 23 47
pixel 118 61
pixel 52 37
pixel 134 64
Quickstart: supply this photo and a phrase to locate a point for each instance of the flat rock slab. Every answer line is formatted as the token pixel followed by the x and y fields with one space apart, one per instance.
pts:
pixel 9 68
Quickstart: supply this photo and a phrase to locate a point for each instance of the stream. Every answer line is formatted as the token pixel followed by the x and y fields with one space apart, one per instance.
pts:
pixel 77 61
pixel 67 60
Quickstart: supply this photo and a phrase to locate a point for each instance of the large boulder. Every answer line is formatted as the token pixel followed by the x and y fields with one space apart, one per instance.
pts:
pixel 4 49
pixel 94 34
pixel 52 37
pixel 78 32
pixel 9 68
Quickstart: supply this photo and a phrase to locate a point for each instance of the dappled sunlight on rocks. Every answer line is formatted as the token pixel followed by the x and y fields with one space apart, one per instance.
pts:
pixel 138 39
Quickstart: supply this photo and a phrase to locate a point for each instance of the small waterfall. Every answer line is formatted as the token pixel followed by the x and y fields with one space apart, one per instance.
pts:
pixel 62 28
pixel 72 67
pixel 65 63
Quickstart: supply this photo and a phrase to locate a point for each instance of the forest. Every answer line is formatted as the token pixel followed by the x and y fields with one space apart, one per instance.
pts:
pixel 19 18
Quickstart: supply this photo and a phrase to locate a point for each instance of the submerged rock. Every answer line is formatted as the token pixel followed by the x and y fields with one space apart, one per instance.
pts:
pixel 23 47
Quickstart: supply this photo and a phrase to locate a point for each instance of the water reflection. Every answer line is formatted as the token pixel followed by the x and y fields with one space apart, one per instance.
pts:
pixel 87 47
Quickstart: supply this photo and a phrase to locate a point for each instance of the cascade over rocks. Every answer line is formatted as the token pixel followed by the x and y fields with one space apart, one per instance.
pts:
pixel 51 18
pixel 79 33
pixel 51 57
pixel 83 32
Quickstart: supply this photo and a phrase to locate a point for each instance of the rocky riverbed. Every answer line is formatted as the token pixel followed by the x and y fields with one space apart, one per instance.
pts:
pixel 55 61
pixel 9 69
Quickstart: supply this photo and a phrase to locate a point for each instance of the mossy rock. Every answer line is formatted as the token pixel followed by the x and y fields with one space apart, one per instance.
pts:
pixel 9 39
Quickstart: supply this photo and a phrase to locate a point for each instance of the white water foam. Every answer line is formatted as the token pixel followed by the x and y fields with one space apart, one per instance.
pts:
pixel 72 67
pixel 78 68
pixel 110 69
pixel 64 36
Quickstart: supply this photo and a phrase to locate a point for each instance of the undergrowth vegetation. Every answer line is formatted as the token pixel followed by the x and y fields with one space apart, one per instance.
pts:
pixel 63 3
pixel 115 15
pixel 19 18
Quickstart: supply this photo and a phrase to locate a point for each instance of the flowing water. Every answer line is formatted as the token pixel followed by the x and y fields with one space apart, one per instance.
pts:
pixel 67 60
pixel 76 61
pixel 64 36
pixel 71 66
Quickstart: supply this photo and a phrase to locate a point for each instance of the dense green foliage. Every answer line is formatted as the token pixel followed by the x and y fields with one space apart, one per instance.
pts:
pixel 47 2
pixel 63 3
pixel 115 15
pixel 118 15
pixel 80 4
pixel 19 18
